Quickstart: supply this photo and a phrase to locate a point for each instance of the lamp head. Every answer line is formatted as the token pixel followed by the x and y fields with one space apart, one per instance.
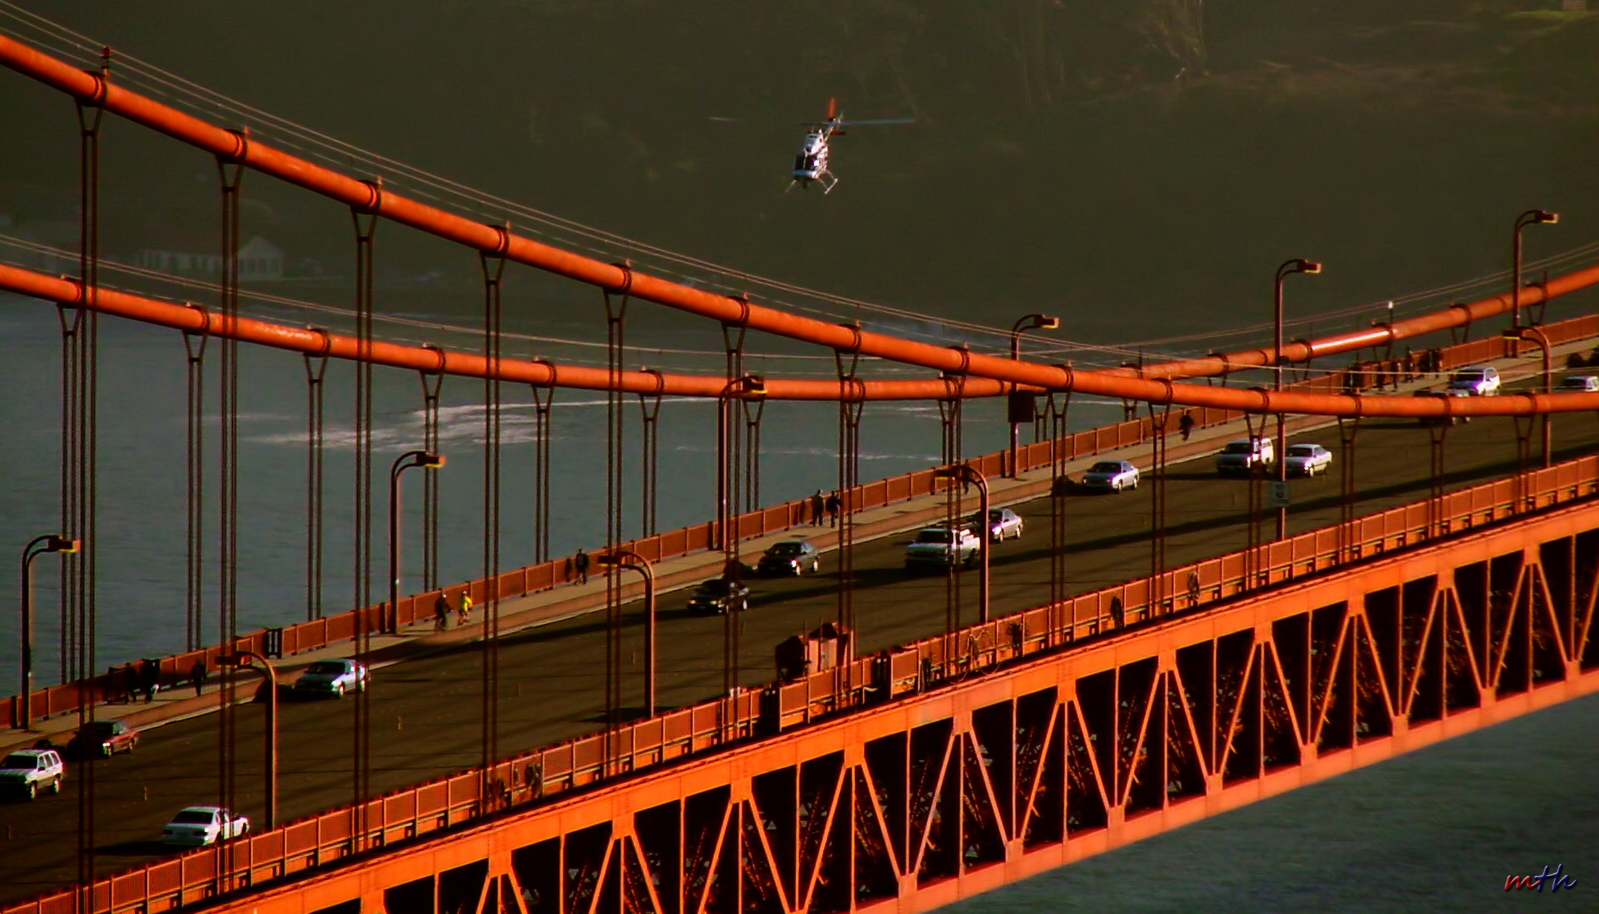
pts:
pixel 430 461
pixel 1544 217
pixel 1307 266
pixel 753 385
pixel 59 543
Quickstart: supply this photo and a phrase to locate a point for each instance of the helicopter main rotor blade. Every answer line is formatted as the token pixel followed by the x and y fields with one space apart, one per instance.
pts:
pixel 881 120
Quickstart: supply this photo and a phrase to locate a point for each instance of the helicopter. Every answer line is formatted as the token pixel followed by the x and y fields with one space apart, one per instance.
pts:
pixel 810 163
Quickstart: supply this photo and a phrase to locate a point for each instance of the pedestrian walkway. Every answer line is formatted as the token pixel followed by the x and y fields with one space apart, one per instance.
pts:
pixel 572 600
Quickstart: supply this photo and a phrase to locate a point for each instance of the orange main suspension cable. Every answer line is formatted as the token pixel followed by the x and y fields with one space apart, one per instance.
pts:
pixel 544 373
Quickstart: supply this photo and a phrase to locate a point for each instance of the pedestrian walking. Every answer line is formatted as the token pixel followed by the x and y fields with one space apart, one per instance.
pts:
pixel 130 683
pixel 833 506
pixel 818 505
pixel 149 679
pixel 580 564
pixel 441 613
pixel 197 676
pixel 464 614
pixel 1185 424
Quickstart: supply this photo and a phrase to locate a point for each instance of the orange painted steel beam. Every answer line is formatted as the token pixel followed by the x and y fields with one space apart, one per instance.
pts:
pixel 194 319
pixel 371 198
pixel 961 788
pixel 320 342
pixel 1214 588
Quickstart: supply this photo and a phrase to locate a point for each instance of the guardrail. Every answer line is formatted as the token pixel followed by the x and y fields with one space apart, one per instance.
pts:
pixel 928 663
pixel 346 626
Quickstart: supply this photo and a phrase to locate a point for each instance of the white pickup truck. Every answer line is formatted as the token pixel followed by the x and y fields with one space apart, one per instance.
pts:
pixel 198 826
pixel 1246 455
pixel 943 546
pixel 29 771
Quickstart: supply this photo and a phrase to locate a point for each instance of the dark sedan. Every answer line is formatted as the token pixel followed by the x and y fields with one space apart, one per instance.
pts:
pixel 790 557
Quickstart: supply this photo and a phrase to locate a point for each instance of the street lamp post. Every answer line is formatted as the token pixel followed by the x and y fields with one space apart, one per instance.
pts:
pixel 406 461
pixel 627 558
pixel 1530 217
pixel 248 660
pixel 22 718
pixel 965 472
pixel 1297 265
pixel 1536 335
pixel 1022 325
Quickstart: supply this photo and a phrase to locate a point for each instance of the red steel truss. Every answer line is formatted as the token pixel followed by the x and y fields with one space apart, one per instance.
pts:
pixel 961 788
pixel 963 759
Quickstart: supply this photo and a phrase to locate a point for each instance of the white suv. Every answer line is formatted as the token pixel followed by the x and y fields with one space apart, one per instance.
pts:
pixel 32 770
pixel 1476 380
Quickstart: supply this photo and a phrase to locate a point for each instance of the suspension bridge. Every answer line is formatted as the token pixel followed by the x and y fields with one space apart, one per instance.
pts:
pixel 1137 664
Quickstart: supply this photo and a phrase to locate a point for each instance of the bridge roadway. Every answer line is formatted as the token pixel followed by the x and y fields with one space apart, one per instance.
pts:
pixel 425 712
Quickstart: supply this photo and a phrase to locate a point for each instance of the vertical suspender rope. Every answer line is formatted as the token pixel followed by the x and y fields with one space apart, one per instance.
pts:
pixel 650 408
pixel 616 302
pixel 316 369
pixel 727 507
pixel 432 387
pixel 493 267
pixel 72 319
pixel 81 463
pixel 230 172
pixel 850 405
pixel 753 410
pixel 1158 424
pixel 543 400
pixel 194 344
pixel 365 222
pixel 1059 453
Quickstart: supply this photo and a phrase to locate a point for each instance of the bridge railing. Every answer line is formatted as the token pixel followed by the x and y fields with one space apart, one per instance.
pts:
pixel 319 633
pixel 928 663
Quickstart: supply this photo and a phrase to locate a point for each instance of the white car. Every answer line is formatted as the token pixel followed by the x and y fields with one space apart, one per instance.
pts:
pixel 28 771
pixel 201 826
pixel 332 677
pixel 1476 380
pixel 1246 455
pixel 1308 459
pixel 1580 383
pixel 1003 523
pixel 942 546
pixel 1111 475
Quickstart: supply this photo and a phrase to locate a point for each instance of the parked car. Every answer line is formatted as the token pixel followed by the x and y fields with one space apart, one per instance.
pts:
pixel 1246 455
pixel 790 557
pixel 1003 523
pixel 104 738
pixel 942 546
pixel 199 826
pixel 1476 380
pixel 332 677
pixel 1307 459
pixel 1580 383
pixel 28 771
pixel 1111 476
pixel 1444 420
pixel 720 595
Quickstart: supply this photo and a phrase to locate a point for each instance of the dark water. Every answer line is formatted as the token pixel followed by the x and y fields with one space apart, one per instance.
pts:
pixel 1097 161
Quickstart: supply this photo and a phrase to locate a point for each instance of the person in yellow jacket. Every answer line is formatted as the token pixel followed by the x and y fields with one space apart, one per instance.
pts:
pixel 464 614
